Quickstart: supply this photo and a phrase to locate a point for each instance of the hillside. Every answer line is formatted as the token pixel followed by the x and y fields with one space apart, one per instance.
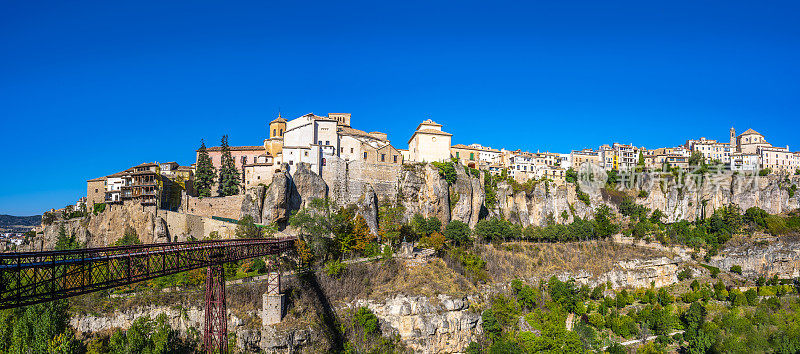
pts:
pixel 26 222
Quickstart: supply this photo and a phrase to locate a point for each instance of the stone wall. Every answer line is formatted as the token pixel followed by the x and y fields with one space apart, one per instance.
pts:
pixel 181 226
pixel 226 207
pixel 347 180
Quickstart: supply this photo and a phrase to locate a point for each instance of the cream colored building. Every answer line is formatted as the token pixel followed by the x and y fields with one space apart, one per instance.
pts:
pixel 260 171
pixel 429 143
pixel 475 155
pixel 749 141
pixel 777 159
pixel 580 157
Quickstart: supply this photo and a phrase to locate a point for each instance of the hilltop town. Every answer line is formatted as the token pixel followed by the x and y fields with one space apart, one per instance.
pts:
pixel 436 241
pixel 331 146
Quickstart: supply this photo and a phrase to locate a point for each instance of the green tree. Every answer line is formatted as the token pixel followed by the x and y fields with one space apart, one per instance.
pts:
pixel 458 233
pixel 228 175
pixel 65 241
pixel 603 225
pixel 696 158
pixel 246 228
pixel 129 238
pixel 205 173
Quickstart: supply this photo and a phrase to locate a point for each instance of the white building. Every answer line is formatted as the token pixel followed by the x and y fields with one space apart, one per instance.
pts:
pixel 429 143
pixel 309 139
pixel 745 162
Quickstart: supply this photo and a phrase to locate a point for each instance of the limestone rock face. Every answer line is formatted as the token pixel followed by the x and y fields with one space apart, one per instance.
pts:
pixel 161 231
pixel 253 202
pixel 779 256
pixel 428 325
pixel 368 208
pixel 307 186
pixel 276 199
pixel 470 197
pixel 423 191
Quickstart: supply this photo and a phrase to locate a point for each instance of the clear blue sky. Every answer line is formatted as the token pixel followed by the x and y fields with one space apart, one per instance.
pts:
pixel 88 88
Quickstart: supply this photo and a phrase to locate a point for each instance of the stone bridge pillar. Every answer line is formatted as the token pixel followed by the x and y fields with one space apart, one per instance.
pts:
pixel 272 306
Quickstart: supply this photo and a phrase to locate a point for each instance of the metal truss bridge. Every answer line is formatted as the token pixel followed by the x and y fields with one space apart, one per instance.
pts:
pixel 28 278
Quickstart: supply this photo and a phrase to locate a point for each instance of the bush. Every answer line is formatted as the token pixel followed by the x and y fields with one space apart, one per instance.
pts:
pixel 494 230
pixel 714 270
pixel 98 208
pixel 446 170
pixel 246 228
pixel 335 268
pixel 457 233
pixel 684 274
pixel 764 172
pixel 365 319
pixel 736 269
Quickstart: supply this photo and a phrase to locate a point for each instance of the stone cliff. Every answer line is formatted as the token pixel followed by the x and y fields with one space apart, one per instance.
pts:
pixel 420 189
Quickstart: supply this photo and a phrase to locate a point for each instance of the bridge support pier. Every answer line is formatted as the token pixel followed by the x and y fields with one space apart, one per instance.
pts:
pixel 215 334
pixel 272 305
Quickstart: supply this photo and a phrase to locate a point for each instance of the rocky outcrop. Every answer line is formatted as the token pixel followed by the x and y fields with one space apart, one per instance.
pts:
pixel 422 190
pixel 368 208
pixel 767 257
pixel 307 186
pixel 428 325
pixel 276 199
pixel 253 202
pixel 469 197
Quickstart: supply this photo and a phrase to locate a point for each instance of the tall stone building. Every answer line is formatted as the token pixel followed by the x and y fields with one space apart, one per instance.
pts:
pixel 429 143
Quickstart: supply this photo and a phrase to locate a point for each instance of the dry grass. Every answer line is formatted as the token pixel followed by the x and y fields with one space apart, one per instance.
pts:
pixel 430 279
pixel 541 260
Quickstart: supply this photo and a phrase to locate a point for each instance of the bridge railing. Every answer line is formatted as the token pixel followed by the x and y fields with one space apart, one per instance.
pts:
pixel 28 278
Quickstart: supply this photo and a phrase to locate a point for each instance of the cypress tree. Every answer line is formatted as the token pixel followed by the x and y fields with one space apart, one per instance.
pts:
pixel 228 175
pixel 204 176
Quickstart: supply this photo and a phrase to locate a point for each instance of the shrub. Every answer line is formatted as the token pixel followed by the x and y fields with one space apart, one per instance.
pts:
pixel 98 208
pixel 457 233
pixel 684 274
pixel 366 320
pixel 246 228
pixel 764 172
pixel 643 194
pixel 446 170
pixel 736 269
pixel 714 270
pixel 258 266
pixel 335 268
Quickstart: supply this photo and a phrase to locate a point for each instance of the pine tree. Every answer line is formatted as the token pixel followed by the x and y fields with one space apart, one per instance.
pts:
pixel 204 176
pixel 228 175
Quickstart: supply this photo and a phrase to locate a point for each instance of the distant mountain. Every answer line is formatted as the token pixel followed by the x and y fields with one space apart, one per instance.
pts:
pixel 8 221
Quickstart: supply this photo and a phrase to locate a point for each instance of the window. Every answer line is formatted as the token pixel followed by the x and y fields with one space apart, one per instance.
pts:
pixel 319 142
pixel 327 142
pixel 306 153
pixel 291 162
pixel 273 132
pixel 457 154
pixel 383 157
pixel 472 156
pixel 95 190
pixel 351 150
pixel 323 162
pixel 365 155
pixel 281 132
pixel 395 158
pixel 341 150
pixel 244 160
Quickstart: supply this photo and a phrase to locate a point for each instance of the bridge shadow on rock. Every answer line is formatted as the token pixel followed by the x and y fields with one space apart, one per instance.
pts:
pixel 308 281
